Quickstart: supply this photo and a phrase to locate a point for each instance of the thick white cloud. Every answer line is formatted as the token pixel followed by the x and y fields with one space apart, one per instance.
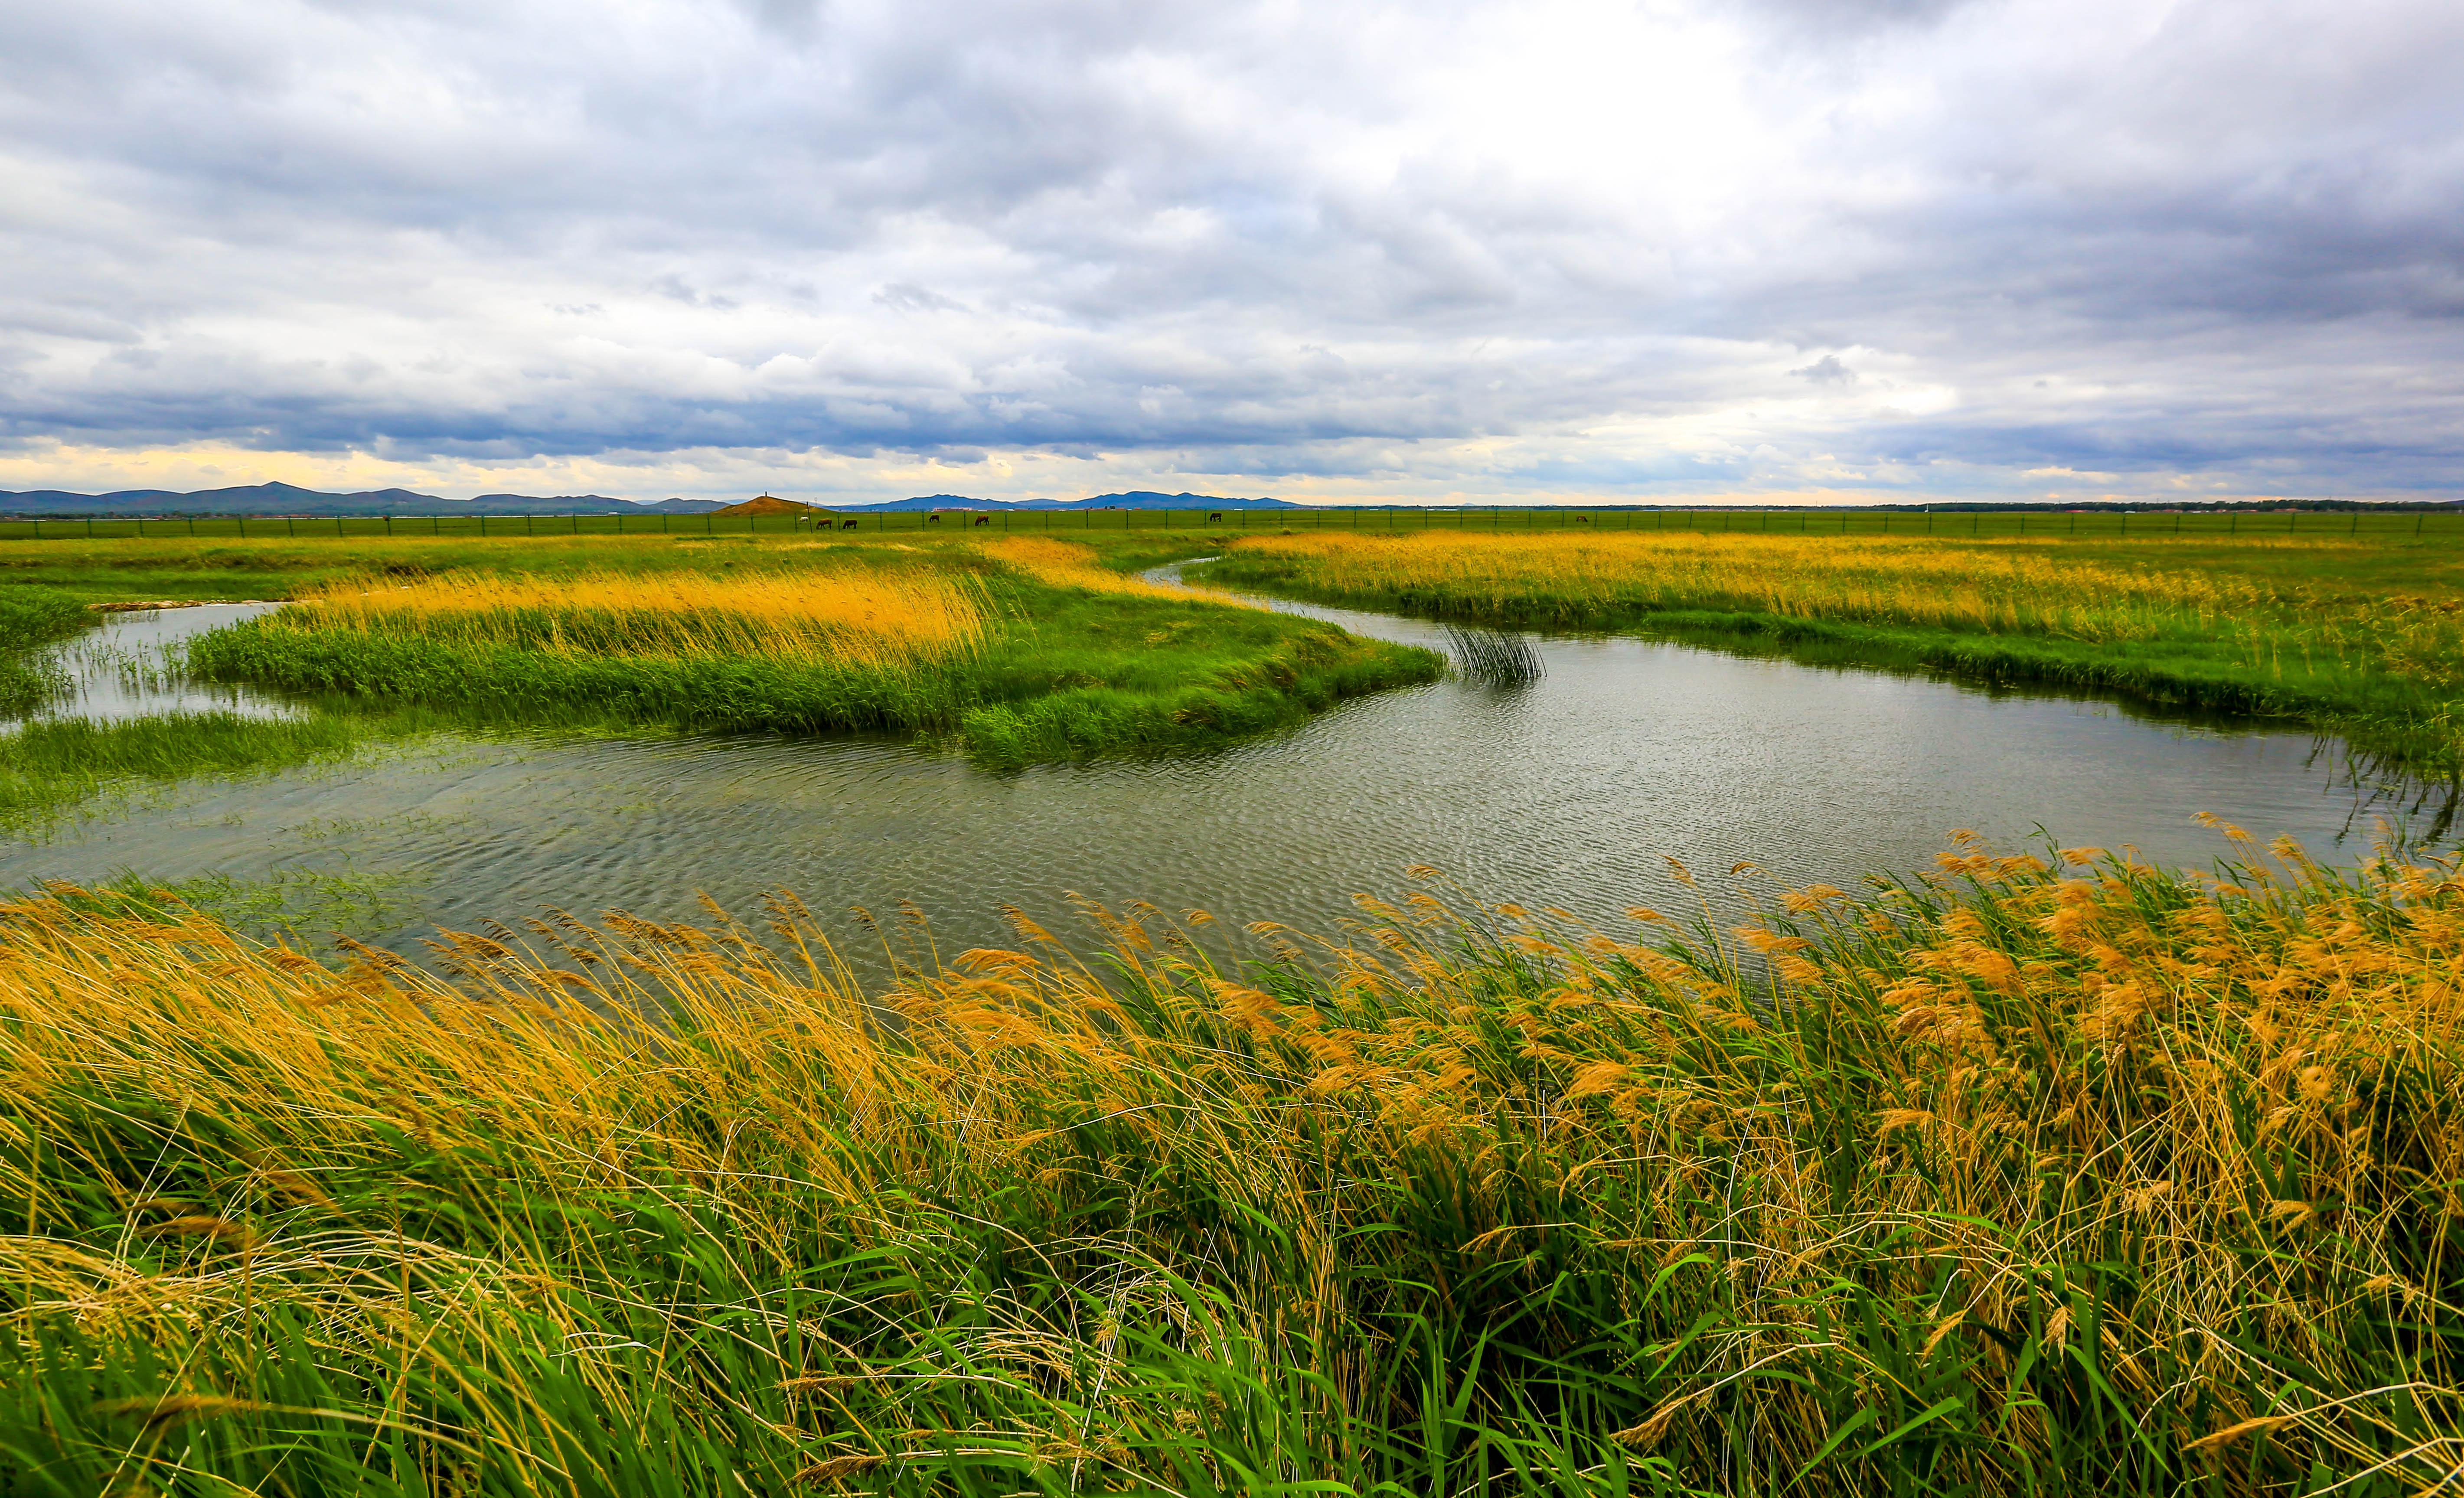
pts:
pixel 1564 247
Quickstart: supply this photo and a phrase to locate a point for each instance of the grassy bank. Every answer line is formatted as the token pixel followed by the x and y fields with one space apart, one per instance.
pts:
pixel 2013 1179
pixel 1018 652
pixel 2364 639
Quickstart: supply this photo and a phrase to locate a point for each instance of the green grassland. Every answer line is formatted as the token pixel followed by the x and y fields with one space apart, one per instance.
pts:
pixel 229 569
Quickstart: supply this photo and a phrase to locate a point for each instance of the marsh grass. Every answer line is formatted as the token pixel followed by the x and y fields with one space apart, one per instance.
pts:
pixel 2023 1177
pixel 30 617
pixel 1494 657
pixel 2384 667
pixel 49 766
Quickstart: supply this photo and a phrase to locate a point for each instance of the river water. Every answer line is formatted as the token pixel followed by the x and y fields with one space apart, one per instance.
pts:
pixel 1573 791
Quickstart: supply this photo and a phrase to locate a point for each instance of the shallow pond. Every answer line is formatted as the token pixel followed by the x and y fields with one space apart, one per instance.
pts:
pixel 1571 791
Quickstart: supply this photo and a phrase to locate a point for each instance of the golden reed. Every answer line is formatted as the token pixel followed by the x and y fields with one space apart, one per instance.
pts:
pixel 857 616
pixel 1978 1100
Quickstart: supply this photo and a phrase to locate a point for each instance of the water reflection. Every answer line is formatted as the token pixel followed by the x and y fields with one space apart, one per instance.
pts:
pixel 128 668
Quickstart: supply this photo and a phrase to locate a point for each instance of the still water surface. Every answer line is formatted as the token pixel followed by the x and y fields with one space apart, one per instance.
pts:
pixel 1573 791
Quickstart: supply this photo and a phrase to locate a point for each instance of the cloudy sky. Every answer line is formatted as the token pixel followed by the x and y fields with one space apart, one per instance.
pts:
pixel 1546 250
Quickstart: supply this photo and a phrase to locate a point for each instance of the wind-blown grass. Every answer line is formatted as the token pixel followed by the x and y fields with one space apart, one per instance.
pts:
pixel 2013 1179
pixel 2385 668
pixel 1028 651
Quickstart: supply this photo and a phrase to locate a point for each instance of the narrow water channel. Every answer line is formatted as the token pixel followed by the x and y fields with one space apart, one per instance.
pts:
pixel 1571 791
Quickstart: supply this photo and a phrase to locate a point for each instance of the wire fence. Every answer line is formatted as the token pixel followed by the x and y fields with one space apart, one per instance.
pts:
pixel 2391 524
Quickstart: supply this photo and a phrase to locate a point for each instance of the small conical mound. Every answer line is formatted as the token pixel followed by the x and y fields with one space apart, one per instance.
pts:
pixel 768 504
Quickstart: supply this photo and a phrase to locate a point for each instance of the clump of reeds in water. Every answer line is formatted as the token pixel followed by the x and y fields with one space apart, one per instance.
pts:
pixel 852 617
pixel 1494 657
pixel 2022 1177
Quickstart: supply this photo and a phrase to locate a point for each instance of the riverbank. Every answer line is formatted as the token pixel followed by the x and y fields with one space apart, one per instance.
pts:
pixel 2361 639
pixel 2011 1179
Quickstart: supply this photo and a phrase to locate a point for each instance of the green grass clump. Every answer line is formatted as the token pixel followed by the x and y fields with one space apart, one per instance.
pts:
pixel 46 766
pixel 2013 1179
pixel 31 617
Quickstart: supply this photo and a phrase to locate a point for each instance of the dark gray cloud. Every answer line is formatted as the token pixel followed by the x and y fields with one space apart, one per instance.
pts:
pixel 1907 244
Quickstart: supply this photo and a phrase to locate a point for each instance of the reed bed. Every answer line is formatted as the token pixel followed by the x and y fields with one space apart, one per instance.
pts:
pixel 2028 1175
pixel 2387 666
pixel 878 619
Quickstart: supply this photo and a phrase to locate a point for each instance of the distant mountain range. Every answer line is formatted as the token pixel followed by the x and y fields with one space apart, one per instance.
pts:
pixel 292 499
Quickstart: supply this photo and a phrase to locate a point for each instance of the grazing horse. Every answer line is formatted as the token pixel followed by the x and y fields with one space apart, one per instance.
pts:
pixel 1215 515
pixel 932 520
pixel 982 519
pixel 846 525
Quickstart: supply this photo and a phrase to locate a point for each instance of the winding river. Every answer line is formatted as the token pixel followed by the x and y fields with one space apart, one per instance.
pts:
pixel 1571 791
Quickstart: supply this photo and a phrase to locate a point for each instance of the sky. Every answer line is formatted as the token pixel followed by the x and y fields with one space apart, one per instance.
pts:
pixel 1538 252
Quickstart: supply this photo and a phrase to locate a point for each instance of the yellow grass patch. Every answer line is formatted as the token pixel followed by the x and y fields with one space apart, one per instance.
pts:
pixel 1062 563
pixel 1875 579
pixel 853 616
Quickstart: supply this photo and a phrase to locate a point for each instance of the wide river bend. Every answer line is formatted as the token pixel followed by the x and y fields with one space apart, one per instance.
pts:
pixel 1573 791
